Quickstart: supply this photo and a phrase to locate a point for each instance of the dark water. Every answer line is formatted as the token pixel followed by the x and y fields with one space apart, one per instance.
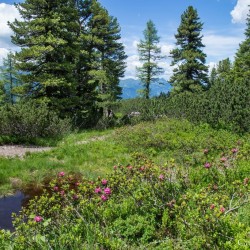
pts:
pixel 14 203
pixel 9 205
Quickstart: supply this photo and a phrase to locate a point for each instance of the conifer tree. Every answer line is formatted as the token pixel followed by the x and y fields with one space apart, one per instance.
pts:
pixel 242 58
pixel 9 79
pixel 149 55
pixel 190 72
pixel 102 58
pixel 47 35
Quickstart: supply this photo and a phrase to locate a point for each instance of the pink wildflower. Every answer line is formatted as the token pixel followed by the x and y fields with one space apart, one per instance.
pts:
pixel 115 167
pixel 56 188
pixel 62 193
pixel 107 191
pixel 142 168
pixel 77 183
pixel 38 218
pixel 161 177
pixel 61 174
pixel 104 197
pixel 234 150
pixel 207 165
pixel 212 206
pixel 75 197
pixel 130 167
pixel 98 190
pixel 104 182
pixel 222 209
pixel 223 159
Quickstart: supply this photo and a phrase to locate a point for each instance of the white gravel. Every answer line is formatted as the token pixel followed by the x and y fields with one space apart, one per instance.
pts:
pixel 19 151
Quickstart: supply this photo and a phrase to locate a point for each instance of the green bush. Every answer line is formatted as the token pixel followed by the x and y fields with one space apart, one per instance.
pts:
pixel 141 206
pixel 29 120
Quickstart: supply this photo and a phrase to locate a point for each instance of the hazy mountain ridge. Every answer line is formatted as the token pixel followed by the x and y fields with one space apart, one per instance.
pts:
pixel 131 86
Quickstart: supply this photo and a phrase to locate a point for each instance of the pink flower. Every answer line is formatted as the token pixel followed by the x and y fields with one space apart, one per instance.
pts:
pixel 56 188
pixel 212 206
pixel 207 165
pixel 104 182
pixel 234 150
pixel 38 218
pixel 62 193
pixel 104 197
pixel 107 191
pixel 142 168
pixel 205 151
pixel 98 190
pixel 77 183
pixel 115 167
pixel 161 177
pixel 222 209
pixel 130 167
pixel 75 197
pixel 223 159
pixel 61 174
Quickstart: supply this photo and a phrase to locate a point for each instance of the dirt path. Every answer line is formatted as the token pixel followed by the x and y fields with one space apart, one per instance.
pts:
pixel 19 151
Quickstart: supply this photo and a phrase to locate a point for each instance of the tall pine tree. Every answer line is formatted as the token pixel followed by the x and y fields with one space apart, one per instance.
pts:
pixel 242 58
pixel 102 57
pixel 47 35
pixel 149 55
pixel 190 72
pixel 9 79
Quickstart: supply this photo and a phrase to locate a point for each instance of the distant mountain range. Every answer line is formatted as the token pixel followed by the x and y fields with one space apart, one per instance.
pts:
pixel 131 86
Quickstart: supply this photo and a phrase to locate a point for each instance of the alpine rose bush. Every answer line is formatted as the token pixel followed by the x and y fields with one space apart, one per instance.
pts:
pixel 146 206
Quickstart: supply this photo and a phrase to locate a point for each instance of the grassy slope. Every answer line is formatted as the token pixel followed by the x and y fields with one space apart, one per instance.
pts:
pixel 94 153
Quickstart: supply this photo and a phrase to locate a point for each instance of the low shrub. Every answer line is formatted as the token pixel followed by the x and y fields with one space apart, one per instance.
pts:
pixel 29 120
pixel 141 206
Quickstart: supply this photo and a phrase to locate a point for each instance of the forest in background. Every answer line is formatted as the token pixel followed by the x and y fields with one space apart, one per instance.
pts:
pixel 71 60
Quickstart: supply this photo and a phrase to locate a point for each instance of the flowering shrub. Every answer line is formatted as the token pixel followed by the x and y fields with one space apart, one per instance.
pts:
pixel 141 206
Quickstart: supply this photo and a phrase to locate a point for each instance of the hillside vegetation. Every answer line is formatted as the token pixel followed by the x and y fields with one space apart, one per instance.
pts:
pixel 168 184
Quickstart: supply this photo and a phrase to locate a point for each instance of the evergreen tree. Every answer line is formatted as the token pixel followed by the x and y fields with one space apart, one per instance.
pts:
pixel 47 36
pixel 190 72
pixel 9 79
pixel 149 55
pixel 224 67
pixel 113 60
pixel 212 78
pixel 242 58
pixel 102 58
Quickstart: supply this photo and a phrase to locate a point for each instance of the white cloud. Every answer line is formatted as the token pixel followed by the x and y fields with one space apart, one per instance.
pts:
pixel 221 46
pixel 132 63
pixel 7 13
pixel 240 11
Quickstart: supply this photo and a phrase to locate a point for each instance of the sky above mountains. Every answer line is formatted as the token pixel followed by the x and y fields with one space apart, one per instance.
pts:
pixel 223 29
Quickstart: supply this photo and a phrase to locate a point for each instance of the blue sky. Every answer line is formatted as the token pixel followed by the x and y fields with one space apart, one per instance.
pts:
pixel 223 29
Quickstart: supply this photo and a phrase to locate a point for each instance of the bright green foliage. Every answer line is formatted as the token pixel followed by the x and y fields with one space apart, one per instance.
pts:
pixel 190 72
pixel 212 77
pixel 9 80
pixel 143 206
pixel 28 120
pixel 47 37
pixel 149 55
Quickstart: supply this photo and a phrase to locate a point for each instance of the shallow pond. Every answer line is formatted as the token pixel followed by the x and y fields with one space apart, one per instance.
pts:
pixel 14 203
pixel 8 205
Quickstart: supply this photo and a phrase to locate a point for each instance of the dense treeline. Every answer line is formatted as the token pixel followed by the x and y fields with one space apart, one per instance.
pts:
pixel 71 60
